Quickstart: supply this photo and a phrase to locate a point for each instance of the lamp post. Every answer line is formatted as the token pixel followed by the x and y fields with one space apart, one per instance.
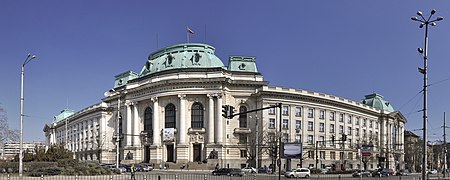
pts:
pixel 27 60
pixel 425 22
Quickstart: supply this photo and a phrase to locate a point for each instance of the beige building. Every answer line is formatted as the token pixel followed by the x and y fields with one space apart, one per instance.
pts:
pixel 171 112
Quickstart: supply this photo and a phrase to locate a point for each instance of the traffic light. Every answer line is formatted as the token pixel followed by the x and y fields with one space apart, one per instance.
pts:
pixel 226 111
pixel 231 112
pixel 332 138
pixel 344 137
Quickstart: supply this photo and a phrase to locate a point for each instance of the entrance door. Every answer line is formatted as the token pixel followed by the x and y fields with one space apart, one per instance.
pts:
pixel 170 153
pixel 197 152
pixel 147 154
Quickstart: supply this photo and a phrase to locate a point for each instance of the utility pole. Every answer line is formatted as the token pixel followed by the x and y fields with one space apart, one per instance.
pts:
pixel 445 149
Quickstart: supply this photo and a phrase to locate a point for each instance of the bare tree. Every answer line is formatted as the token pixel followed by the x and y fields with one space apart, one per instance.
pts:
pixel 6 134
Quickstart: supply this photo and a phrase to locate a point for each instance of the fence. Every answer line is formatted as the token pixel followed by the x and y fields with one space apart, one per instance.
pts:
pixel 202 176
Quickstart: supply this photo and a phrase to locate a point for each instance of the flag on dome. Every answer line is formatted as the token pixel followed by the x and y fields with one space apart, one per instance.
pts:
pixel 189 30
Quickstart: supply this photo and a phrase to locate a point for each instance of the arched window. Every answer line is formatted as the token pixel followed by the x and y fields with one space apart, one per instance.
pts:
pixel 170 116
pixel 243 117
pixel 148 121
pixel 197 115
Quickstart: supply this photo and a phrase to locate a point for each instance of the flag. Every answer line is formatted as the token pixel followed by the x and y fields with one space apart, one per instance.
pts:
pixel 190 31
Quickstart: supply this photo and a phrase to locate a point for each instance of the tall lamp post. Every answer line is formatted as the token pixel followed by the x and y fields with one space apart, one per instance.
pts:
pixel 425 22
pixel 27 60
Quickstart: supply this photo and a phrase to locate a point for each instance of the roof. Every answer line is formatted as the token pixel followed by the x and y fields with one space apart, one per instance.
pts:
pixel 376 100
pixel 63 115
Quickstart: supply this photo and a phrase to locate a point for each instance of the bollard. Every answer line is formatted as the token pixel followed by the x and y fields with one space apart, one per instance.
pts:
pixel 254 176
pixel 8 177
pixel 339 176
pixel 42 176
pixel 110 178
pixel 159 177
pixel 176 177
pixel 145 177
pixel 204 176
pixel 400 177
pixel 76 177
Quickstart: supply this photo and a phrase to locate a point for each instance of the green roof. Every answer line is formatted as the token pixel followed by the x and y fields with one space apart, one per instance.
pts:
pixel 63 115
pixel 376 100
pixel 193 55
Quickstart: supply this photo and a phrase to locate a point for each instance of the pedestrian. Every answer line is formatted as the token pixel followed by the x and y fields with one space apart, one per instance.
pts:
pixel 217 166
pixel 133 170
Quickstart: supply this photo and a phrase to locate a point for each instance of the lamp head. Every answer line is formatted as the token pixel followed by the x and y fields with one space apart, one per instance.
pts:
pixel 421 25
pixel 32 57
pixel 433 11
pixel 420 50
pixel 419 13
pixel 29 54
pixel 440 18
pixel 414 18
pixel 433 24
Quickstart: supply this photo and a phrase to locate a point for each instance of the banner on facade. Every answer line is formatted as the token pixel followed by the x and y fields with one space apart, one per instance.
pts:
pixel 292 151
pixel 168 134
pixel 366 149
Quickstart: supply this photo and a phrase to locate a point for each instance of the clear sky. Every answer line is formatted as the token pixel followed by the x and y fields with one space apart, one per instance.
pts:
pixel 346 48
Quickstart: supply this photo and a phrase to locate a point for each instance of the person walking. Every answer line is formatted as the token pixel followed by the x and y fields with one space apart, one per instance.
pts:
pixel 133 171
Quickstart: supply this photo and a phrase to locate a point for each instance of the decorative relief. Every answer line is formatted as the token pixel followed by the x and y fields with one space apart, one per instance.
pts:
pixel 197 138
pixel 195 59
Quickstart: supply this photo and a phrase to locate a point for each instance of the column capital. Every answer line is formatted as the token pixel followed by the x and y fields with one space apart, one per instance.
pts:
pixel 210 96
pixel 134 103
pixel 182 96
pixel 218 95
pixel 128 103
pixel 154 99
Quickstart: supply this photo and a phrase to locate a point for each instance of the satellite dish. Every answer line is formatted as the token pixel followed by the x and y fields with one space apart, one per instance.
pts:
pixel 107 94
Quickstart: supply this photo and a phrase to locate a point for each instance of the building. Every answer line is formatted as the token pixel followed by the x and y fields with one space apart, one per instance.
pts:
pixel 11 149
pixel 171 112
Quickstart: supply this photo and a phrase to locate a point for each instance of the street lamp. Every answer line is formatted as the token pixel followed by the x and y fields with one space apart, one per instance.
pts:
pixel 27 60
pixel 425 22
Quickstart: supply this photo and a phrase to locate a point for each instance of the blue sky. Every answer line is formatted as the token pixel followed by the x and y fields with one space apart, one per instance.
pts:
pixel 347 48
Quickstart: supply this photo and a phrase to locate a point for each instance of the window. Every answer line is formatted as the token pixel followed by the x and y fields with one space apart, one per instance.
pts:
pixel 243 153
pixel 357 132
pixel 243 117
pixel 285 123
pixel 341 117
pixel 349 130
pixel 272 123
pixel 310 139
pixel 310 126
pixel 370 124
pixel 285 138
pixel 242 138
pixel 298 111
pixel 321 127
pixel 298 124
pixel 331 128
pixel 322 140
pixel 350 143
pixel 311 112
pixel 341 155
pixel 272 111
pixel 364 122
pixel 285 110
pixel 197 115
pixel 298 138
pixel 331 116
pixel 376 125
pixel 370 134
pixel 350 156
pixel 349 119
pixel 364 133
pixel 341 129
pixel 333 155
pixel 170 116
pixel 357 121
pixel 322 114
pixel 322 155
pixel 311 154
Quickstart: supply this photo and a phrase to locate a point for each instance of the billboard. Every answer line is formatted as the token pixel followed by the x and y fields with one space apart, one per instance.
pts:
pixel 292 151
pixel 168 134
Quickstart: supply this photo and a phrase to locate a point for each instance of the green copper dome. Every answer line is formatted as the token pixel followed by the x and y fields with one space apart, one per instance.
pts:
pixel 63 115
pixel 181 56
pixel 376 100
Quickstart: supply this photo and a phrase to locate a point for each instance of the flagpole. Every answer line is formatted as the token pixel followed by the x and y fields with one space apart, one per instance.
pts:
pixel 187 34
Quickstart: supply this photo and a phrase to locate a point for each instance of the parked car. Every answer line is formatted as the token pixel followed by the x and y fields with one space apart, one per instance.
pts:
pixel 361 173
pixel 264 170
pixel 145 167
pixel 382 172
pixel 403 172
pixel 299 172
pixel 228 172
pixel 250 170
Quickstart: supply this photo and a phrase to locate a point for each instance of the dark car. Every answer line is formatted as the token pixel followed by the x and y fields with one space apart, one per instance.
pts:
pixel 383 172
pixel 228 172
pixel 361 173
pixel 403 172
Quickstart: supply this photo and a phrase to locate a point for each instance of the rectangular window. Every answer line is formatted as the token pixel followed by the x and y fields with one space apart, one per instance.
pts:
pixel 243 153
pixel 285 110
pixel 272 123
pixel 298 138
pixel 311 154
pixel 285 123
pixel 350 156
pixel 322 140
pixel 310 126
pixel 272 111
pixel 357 132
pixel 357 121
pixel 333 155
pixel 298 124
pixel 322 114
pixel 331 128
pixel 331 116
pixel 285 138
pixel 370 134
pixel 341 155
pixel 364 133
pixel 349 130
pixel 364 122
pixel 243 139
pixel 341 117
pixel 321 127
pixel 311 112
pixel 376 125
pixel 370 124
pixel 349 119
pixel 350 143
pixel 341 129
pixel 298 111
pixel 322 155
pixel 310 139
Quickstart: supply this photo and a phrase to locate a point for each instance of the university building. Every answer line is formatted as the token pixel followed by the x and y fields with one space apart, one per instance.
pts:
pixel 171 113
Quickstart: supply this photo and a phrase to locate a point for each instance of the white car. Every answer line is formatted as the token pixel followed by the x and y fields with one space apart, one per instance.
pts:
pixel 432 171
pixel 299 172
pixel 249 170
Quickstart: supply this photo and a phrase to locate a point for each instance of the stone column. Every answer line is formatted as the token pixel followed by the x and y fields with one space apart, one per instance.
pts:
pixel 128 132
pixel 182 129
pixel 211 119
pixel 156 129
pixel 218 121
pixel 136 127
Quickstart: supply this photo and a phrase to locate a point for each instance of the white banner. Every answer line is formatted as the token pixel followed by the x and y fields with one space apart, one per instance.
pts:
pixel 168 134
